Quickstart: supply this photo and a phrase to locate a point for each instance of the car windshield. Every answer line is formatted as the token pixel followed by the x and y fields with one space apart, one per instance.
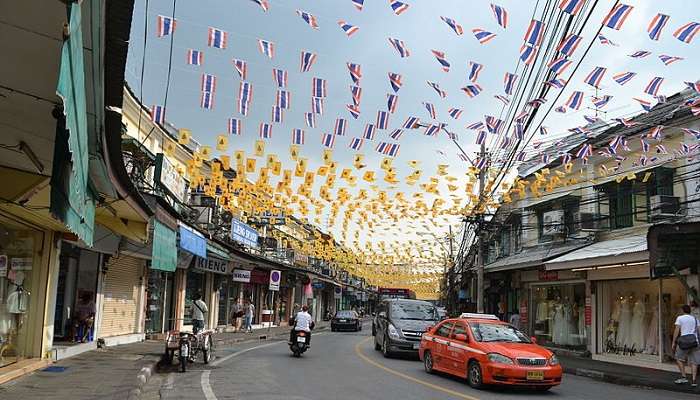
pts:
pixel 345 314
pixel 487 332
pixel 415 311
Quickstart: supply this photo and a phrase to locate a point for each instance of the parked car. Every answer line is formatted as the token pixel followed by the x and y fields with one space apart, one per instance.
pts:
pixel 346 321
pixel 486 351
pixel 400 323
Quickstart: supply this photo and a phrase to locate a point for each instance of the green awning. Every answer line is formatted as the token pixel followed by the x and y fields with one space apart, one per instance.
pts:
pixel 72 200
pixel 164 255
pixel 217 251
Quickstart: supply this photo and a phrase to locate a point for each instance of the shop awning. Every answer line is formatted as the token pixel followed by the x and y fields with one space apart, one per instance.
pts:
pixel 164 255
pixel 217 251
pixel 532 257
pixel 625 250
pixel 549 197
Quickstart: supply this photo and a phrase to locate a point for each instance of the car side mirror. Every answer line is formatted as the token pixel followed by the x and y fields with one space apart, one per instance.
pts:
pixel 382 314
pixel 461 337
pixel 533 339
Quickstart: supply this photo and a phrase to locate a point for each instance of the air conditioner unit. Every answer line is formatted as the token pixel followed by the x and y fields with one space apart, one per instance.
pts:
pixel 664 206
pixel 552 222
pixel 592 222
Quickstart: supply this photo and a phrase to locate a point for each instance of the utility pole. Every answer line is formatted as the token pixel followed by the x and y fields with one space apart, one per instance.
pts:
pixel 450 266
pixel 480 236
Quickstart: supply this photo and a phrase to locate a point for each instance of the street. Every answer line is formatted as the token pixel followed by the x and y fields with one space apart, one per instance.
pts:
pixel 345 366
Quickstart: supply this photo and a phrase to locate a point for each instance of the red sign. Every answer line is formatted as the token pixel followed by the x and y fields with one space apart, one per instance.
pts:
pixel 259 276
pixel 548 275
pixel 588 311
pixel 523 313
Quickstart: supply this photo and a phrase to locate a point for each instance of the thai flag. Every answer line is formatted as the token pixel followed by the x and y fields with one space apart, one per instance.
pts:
pixel 534 33
pixel 358 4
pixel 560 109
pixel 521 156
pixel 400 47
pixel 310 119
pixel 602 101
pixel 396 134
pixel 355 72
pixel 308 18
pixel 693 132
pixel 522 116
pixel 454 25
pixel 243 108
pixel 481 137
pixel 234 126
pixel 217 38
pixel 392 150
pixel 595 76
pixel 356 93
pixel 340 125
pixel 328 140
pixel 544 158
pixel 483 36
pixel 519 131
pixel 502 99
pixel 528 54
pixel 455 113
pixel 645 145
pixel 397 6
pixel 509 81
pixel 277 114
pixel 245 93
pixel 556 83
pixel 646 105
pixel 656 132
pixel 559 65
pixel 653 86
pixel 280 77
pixel 575 100
pixel 624 77
pixel 693 86
pixel 242 68
pixel 440 56
pixel 431 109
pixel 356 143
pixel 354 110
pixel 392 101
pixel 158 114
pixel 267 48
pixel 208 83
pixel 640 54
pixel 195 57
pixel 317 105
pixel 307 60
pixel 571 7
pixel 505 142
pixel 656 25
pixel 432 130
pixel 501 15
pixel 590 119
pixel 603 40
pixel 318 87
pixel 381 147
pixel 493 124
pixel 382 119
pixel 347 28
pixel 265 131
pixel 436 87
pixel 395 80
pixel 666 59
pixel 476 125
pixel 661 149
pixel 472 90
pixel 625 121
pixel 474 70
pixel 569 44
pixel 687 32
pixel 617 16
pixel 298 136
pixel 410 123
pixel 263 4
pixel 284 99
pixel 544 130
pixel 369 132
pixel 165 26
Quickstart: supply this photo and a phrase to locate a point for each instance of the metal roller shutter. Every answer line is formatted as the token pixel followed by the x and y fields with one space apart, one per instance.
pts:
pixel 121 294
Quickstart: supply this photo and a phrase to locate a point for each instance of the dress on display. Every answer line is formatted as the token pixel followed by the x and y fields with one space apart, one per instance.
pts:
pixel 623 326
pixel 582 324
pixel 637 334
pixel 652 334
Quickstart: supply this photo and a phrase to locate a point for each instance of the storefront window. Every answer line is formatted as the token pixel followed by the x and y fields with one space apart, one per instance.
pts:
pixel 18 261
pixel 195 284
pixel 559 315
pixel 159 300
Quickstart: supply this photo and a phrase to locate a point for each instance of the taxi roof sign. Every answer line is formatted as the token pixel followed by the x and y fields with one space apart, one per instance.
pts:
pixel 479 316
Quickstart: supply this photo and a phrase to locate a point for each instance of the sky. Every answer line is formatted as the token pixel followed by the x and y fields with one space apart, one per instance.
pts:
pixel 422 30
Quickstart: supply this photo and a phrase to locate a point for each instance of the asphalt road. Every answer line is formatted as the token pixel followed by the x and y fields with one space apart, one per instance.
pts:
pixel 346 366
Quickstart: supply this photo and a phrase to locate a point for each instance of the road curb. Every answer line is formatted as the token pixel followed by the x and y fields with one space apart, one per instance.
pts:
pixel 627 380
pixel 260 337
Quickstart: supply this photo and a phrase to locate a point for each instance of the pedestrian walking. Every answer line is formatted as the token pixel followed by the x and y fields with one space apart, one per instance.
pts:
pixel 249 310
pixel 236 315
pixel 199 308
pixel 686 345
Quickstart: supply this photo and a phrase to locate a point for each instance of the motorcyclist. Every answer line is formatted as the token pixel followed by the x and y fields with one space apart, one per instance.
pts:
pixel 302 322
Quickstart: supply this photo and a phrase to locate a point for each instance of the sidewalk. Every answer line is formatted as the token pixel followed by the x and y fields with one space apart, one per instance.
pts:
pixel 623 374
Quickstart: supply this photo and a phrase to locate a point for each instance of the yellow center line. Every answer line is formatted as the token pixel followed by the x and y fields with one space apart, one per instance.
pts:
pixel 359 353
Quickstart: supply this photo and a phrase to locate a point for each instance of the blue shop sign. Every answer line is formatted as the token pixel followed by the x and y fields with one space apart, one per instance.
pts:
pixel 243 233
pixel 193 241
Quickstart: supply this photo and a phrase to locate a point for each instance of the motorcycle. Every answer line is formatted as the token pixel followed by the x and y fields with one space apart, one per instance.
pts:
pixel 189 346
pixel 299 344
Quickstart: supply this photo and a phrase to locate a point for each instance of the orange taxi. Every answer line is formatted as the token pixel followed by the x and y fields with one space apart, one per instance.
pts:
pixel 487 351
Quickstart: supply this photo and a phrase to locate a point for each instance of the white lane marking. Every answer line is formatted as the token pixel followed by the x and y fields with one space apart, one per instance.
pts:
pixel 206 386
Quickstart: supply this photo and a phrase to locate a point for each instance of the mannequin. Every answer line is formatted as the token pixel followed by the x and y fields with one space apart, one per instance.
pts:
pixel 623 327
pixel 637 331
pixel 652 332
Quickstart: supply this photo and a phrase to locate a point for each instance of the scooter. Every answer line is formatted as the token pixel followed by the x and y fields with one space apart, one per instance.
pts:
pixel 299 343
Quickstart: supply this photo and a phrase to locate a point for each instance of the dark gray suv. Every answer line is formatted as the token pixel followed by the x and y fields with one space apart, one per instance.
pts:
pixel 399 324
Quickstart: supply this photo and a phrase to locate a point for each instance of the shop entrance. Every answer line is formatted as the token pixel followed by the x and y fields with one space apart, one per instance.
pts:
pixel 196 283
pixel 160 305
